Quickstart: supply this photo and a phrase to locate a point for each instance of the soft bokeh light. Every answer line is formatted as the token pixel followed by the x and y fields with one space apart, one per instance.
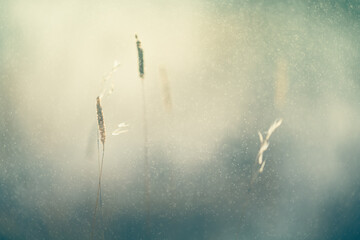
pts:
pixel 232 68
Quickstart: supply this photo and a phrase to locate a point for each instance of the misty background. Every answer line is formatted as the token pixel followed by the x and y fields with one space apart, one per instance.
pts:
pixel 233 67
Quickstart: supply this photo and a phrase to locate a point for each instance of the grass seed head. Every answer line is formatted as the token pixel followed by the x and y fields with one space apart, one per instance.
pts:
pixel 100 118
pixel 140 57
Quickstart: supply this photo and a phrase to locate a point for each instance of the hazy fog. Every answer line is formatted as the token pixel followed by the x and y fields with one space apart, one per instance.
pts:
pixel 233 67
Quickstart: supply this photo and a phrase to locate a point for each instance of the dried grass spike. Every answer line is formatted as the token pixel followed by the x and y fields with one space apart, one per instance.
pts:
pixel 100 117
pixel 140 57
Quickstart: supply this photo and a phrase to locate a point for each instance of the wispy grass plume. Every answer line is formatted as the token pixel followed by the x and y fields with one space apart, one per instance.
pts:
pixel 122 128
pixel 260 163
pixel 107 77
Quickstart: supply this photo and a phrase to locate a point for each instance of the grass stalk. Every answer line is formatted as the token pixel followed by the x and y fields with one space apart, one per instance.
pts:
pixel 102 136
pixel 145 132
